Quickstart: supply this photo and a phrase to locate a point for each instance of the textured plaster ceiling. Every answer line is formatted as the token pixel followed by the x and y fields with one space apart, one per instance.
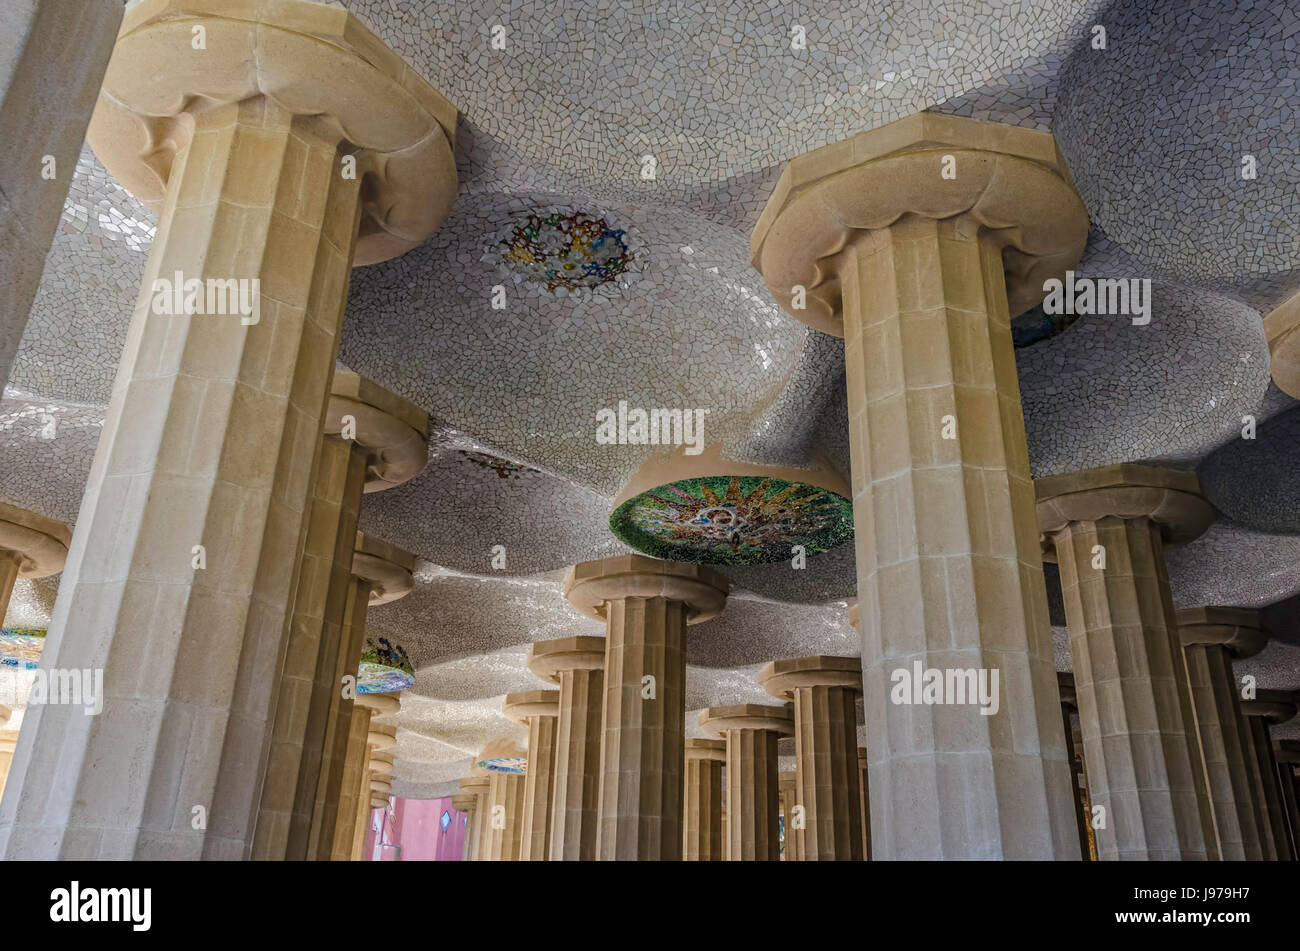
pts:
pixel 1152 128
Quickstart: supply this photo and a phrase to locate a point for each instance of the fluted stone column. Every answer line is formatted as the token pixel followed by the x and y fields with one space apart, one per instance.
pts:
pixel 52 59
pixel 864 796
pixel 467 803
pixel 476 785
pixel 702 833
pixel 917 242
pixel 1108 528
pixel 1267 708
pixel 1078 782
pixel 823 690
pixel 364 737
pixel 539 710
pixel 646 605
pixel 246 149
pixel 8 739
pixel 385 444
pixel 1287 755
pixel 788 785
pixel 577 665
pixel 1212 638
pixel 504 829
pixel 751 732
pixel 381 574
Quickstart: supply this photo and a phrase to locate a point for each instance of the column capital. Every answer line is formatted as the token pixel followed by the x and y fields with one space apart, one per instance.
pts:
pixel 781 678
pixel 464 801
pixel 41 543
pixel 716 721
pixel 591 584
pixel 382 737
pixel 388 568
pixel 476 782
pixel 309 59
pixel 1169 497
pixel 1007 181
pixel 1275 706
pixel 1237 629
pixel 1287 751
pixel 1282 328
pixel 714 751
pixel 522 707
pixel 394 432
pixel 546 659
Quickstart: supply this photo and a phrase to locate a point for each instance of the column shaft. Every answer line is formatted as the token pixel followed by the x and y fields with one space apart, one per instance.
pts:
pixel 1224 736
pixel 505 825
pixel 1139 735
pixel 327 798
pixel 309 682
pixel 210 439
pixel 1270 794
pixel 539 788
pixel 949 569
pixel 826 761
pixel 644 730
pixel 864 796
pixel 702 812
pixel 789 792
pixel 576 802
pixel 355 784
pixel 752 796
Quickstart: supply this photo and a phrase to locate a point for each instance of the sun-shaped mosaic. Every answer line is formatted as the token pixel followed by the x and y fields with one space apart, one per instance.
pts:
pixel 21 647
pixel 504 468
pixel 570 250
pixel 384 667
pixel 733 520
pixel 504 764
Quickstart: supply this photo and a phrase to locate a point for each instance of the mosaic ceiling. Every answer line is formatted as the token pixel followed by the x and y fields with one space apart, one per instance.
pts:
pixel 573 274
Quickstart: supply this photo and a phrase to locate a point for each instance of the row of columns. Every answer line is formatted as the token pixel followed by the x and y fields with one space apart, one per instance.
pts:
pixel 213 441
pixel 213 573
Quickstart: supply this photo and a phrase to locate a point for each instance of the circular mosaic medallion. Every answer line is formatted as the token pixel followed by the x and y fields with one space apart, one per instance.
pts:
pixel 384 667
pixel 21 647
pixel 504 764
pixel 733 520
pixel 567 250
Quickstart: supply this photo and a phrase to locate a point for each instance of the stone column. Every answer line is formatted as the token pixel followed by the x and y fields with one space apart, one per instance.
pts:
pixel 1212 638
pixel 1107 528
pixel 384 442
pixel 788 783
pixel 503 831
pixel 823 690
pixel 702 836
pixel 1270 707
pixel 753 797
pixel 917 242
pixel 247 149
pixel 467 803
pixel 1082 808
pixel 31 546
pixel 381 573
pixel 476 785
pixel 539 710
pixel 364 737
pixel 577 665
pixel 864 796
pixel 1287 755
pixel 646 605
pixel 52 59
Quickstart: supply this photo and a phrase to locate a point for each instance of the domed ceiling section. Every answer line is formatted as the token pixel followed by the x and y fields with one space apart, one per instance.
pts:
pixel 1178 138
pixel 593 88
pixel 1107 390
pixel 1256 482
pixel 1234 566
pixel 687 325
